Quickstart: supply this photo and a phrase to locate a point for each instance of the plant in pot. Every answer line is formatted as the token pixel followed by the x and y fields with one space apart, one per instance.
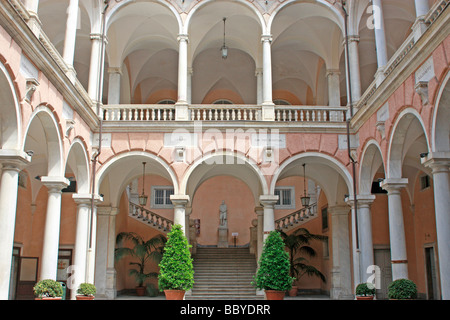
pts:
pixel 142 251
pixel 273 273
pixel 402 289
pixel 48 289
pixel 365 291
pixel 86 291
pixel 298 242
pixel 176 274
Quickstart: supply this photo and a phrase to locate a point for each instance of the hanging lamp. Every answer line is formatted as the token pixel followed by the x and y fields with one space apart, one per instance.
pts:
pixel 224 48
pixel 143 197
pixel 305 199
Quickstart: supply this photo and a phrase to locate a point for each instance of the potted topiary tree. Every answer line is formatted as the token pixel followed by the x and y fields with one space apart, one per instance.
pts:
pixel 176 274
pixel 365 291
pixel 402 289
pixel 86 291
pixel 143 251
pixel 273 273
pixel 48 289
pixel 298 242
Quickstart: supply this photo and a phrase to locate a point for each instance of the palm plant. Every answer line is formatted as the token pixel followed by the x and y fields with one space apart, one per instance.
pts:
pixel 299 242
pixel 143 251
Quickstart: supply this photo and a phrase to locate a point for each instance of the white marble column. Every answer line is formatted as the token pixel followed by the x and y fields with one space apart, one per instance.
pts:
pixel 71 34
pixel 419 26
pixel 96 68
pixel 268 202
pixel 259 231
pixel 49 258
pixel 11 166
pixel 179 202
pixel 380 39
pixel 334 90
pixel 422 8
pixel 181 107
pixel 439 164
pixel 341 269
pixel 355 73
pixel 81 241
pixel 396 227
pixel 268 108
pixel 115 75
pixel 189 85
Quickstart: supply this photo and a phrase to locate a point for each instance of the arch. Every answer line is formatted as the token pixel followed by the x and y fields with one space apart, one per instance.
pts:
pixel 371 160
pixel 10 115
pixel 207 2
pixel 43 124
pixel 440 128
pixel 332 176
pixel 399 146
pixel 332 9
pixel 213 164
pixel 131 168
pixel 78 162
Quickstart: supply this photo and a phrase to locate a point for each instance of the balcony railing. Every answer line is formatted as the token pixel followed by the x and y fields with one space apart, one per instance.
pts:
pixel 224 113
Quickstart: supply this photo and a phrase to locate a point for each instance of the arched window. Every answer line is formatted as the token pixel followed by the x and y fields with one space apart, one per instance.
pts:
pixel 281 102
pixel 222 101
pixel 166 101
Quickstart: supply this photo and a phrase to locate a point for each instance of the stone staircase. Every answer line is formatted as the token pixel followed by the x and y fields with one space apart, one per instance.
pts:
pixel 223 274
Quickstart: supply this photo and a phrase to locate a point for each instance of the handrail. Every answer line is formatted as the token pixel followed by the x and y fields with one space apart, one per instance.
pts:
pixel 296 217
pixel 151 218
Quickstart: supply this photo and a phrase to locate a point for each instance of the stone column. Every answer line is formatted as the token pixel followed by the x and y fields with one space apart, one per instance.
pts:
pixel 341 270
pixel 439 164
pixel 115 75
pixel 179 215
pixel 396 227
pixel 49 259
pixel 71 35
pixel 419 26
pixel 81 241
pixel 181 107
pixel 12 164
pixel 380 39
pixel 268 108
pixel 355 77
pixel 260 231
pixel 268 202
pixel 189 85
pixel 95 69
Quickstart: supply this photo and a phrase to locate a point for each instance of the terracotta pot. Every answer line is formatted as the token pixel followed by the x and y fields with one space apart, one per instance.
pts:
pixel 174 294
pixel 364 297
pixel 293 292
pixel 140 291
pixel 48 298
pixel 275 295
pixel 81 297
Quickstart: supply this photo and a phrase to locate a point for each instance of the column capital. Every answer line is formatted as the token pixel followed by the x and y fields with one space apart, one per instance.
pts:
pixel 86 198
pixel 266 38
pixel 55 184
pixel 259 211
pixel 258 71
pixel 14 159
pixel 331 72
pixel 268 200
pixel 183 37
pixel 107 211
pixel 339 210
pixel 179 200
pixel 98 37
pixel 436 161
pixel 362 199
pixel 115 70
pixel 393 184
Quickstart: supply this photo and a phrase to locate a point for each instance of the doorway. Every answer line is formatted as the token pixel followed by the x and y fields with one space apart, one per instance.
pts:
pixel 430 273
pixel 383 261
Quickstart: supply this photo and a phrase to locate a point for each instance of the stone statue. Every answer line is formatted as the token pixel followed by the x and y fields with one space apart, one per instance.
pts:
pixel 223 214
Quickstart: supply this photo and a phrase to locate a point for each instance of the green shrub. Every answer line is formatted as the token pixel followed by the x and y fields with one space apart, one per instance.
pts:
pixel 274 265
pixel 48 288
pixel 402 289
pixel 364 290
pixel 176 269
pixel 87 289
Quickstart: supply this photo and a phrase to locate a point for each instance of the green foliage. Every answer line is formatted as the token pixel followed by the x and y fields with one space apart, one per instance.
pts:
pixel 87 289
pixel 48 288
pixel 273 271
pixel 176 269
pixel 298 242
pixel 141 250
pixel 402 289
pixel 365 289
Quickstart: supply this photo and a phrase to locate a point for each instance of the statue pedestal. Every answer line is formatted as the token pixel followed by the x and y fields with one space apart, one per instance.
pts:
pixel 223 237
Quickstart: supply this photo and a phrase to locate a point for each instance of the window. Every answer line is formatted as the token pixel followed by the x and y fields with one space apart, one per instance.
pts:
pixel 376 189
pixel 167 101
pixel 324 218
pixel 424 182
pixel 223 101
pixel 286 198
pixel 281 102
pixel 161 197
